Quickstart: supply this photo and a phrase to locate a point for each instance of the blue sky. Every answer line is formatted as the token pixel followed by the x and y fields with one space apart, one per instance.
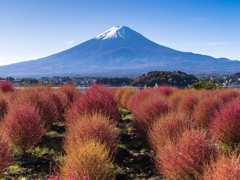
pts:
pixel 30 29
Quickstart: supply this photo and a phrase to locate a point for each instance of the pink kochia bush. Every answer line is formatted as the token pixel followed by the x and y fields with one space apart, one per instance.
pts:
pixel 24 127
pixel 185 160
pixel 226 167
pixel 134 101
pixel 6 86
pixel 5 154
pixel 225 126
pixel 149 109
pixel 97 99
pixel 166 90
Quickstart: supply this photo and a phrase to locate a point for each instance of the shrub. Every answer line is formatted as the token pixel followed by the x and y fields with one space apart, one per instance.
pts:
pixel 60 100
pixel 188 104
pixel 6 86
pixel 5 154
pixel 118 94
pixel 225 127
pixel 149 109
pixel 185 159
pixel 205 111
pixel 228 95
pixel 97 99
pixel 24 127
pixel 72 92
pixel 175 99
pixel 226 167
pixel 97 127
pixel 166 129
pixel 42 101
pixel 166 90
pixel 135 100
pixel 126 95
pixel 3 107
pixel 90 154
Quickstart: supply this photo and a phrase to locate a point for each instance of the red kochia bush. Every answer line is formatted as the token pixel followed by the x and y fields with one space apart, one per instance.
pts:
pixel 5 154
pixel 166 129
pixel 135 100
pixel 127 94
pixel 185 160
pixel 188 104
pixel 225 126
pixel 60 100
pixel 205 110
pixel 43 101
pixel 166 90
pixel 96 99
pixel 94 126
pixel 3 107
pixel 6 86
pixel 72 92
pixel 226 167
pixel 149 109
pixel 24 127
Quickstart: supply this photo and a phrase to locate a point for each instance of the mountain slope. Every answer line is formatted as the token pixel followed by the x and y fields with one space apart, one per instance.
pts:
pixel 119 50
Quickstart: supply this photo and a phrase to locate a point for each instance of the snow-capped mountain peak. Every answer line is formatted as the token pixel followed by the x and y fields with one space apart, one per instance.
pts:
pixel 114 32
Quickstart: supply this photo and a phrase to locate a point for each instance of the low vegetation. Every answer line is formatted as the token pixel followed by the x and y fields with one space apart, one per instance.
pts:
pixel 120 133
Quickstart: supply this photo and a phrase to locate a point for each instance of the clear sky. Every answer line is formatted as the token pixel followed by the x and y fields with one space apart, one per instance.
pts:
pixel 30 29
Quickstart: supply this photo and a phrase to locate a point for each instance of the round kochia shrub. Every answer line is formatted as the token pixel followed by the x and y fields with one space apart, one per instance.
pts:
pixel 149 109
pixel 206 109
pixel 166 90
pixel 97 99
pixel 188 105
pixel 24 127
pixel 225 125
pixel 185 160
pixel 134 101
pixel 118 94
pixel 127 94
pixel 226 167
pixel 43 101
pixel 94 126
pixel 6 86
pixel 5 153
pixel 73 93
pixel 87 154
pixel 167 129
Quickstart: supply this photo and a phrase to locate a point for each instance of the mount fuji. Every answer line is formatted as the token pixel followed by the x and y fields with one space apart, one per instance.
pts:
pixel 119 51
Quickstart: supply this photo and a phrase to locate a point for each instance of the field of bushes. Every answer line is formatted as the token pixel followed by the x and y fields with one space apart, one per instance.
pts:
pixel 119 133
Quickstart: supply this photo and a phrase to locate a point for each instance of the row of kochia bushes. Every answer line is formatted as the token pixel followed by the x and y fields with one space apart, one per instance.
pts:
pixel 90 118
pixel 195 134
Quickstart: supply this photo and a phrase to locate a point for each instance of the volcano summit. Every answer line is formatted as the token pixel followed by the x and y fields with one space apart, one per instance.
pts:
pixel 119 51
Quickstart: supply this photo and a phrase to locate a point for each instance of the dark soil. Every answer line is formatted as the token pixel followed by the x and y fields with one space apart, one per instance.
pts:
pixel 133 161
